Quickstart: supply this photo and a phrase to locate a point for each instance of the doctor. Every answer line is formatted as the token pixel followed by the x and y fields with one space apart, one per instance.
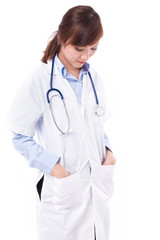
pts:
pixel 63 103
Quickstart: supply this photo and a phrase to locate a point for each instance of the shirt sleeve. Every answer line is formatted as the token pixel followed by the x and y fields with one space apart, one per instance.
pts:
pixel 107 142
pixel 35 155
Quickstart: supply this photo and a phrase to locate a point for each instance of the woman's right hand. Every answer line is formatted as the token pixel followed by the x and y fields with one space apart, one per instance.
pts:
pixel 59 172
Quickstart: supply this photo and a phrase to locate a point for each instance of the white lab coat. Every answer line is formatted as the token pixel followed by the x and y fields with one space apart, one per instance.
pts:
pixel 75 207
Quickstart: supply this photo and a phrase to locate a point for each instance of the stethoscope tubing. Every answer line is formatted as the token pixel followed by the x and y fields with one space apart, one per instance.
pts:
pixel 95 93
pixel 51 79
pixel 55 89
pixel 99 110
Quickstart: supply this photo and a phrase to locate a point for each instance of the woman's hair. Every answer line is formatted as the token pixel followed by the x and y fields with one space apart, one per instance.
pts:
pixel 80 26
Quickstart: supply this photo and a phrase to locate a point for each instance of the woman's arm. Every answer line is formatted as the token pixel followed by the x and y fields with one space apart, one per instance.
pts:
pixel 35 155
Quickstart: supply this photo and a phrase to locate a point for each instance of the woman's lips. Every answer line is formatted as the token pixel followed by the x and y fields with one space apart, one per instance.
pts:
pixel 81 62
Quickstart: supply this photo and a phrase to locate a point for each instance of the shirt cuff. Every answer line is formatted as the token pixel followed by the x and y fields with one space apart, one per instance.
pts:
pixel 107 142
pixel 35 155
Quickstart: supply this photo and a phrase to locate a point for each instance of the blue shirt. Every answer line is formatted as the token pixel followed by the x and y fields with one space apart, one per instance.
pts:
pixel 36 156
pixel 76 84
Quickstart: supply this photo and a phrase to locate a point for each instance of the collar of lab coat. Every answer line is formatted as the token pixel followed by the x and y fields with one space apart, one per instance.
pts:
pixel 49 68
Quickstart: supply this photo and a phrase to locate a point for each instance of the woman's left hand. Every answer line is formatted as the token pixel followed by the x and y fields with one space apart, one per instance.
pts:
pixel 110 159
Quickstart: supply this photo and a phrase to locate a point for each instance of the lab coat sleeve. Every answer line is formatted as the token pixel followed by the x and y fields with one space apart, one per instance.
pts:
pixel 26 110
pixel 35 155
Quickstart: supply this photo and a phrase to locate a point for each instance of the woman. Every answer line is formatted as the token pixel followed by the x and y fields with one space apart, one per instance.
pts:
pixel 59 103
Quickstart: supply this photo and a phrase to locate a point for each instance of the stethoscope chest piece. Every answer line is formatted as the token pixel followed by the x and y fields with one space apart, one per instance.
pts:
pixel 99 110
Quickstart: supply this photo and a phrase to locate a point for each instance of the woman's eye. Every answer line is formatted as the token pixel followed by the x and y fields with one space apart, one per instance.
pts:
pixel 79 49
pixel 94 49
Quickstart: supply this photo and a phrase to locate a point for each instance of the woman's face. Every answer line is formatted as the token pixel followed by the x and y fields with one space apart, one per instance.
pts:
pixel 74 57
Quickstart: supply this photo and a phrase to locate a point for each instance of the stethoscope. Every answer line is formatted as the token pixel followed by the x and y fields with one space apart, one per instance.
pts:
pixel 99 111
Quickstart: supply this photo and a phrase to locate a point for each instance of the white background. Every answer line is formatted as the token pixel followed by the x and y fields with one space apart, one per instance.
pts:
pixel 129 62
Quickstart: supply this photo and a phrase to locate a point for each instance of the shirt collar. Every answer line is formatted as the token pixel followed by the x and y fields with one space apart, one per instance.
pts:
pixel 62 69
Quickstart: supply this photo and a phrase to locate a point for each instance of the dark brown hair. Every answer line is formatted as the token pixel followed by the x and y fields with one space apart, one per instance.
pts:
pixel 80 26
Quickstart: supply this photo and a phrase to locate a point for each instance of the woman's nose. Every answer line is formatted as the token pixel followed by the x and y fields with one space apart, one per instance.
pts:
pixel 86 55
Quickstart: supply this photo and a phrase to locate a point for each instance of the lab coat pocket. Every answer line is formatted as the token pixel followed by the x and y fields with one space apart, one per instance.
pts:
pixel 61 193
pixel 103 179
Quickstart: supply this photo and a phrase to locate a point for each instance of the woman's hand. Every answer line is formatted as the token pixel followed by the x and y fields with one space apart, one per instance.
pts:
pixel 110 159
pixel 59 171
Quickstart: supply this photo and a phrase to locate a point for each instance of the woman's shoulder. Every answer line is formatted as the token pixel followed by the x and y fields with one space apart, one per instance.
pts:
pixel 41 68
pixel 38 73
